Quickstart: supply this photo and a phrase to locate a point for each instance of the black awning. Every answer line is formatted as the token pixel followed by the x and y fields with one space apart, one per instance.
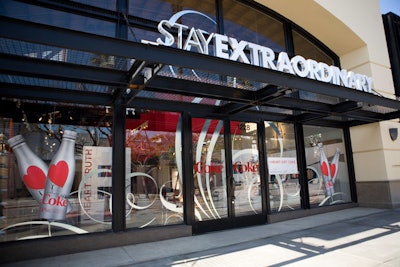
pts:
pixel 42 62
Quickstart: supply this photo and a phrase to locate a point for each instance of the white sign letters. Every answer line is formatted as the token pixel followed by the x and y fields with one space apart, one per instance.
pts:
pixel 254 54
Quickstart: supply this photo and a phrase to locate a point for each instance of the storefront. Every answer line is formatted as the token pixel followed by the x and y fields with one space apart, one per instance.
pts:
pixel 134 121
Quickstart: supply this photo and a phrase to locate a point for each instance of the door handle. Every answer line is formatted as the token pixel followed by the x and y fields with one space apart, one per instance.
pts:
pixel 232 189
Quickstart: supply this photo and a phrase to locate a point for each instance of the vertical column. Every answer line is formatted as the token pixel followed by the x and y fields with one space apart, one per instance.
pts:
pixel 122 27
pixel 220 16
pixel 229 169
pixel 287 29
pixel 350 164
pixel 118 166
pixel 262 155
pixel 187 165
pixel 118 136
pixel 302 165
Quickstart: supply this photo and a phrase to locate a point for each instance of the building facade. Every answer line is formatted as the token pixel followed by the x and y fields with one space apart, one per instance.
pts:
pixel 132 121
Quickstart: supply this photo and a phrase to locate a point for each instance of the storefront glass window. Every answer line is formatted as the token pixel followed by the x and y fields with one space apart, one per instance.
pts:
pixel 154 181
pixel 308 50
pixel 328 179
pixel 246 174
pixel 189 20
pixel 209 169
pixel 283 182
pixel 56 18
pixel 55 165
pixel 159 10
pixel 52 53
pixel 244 23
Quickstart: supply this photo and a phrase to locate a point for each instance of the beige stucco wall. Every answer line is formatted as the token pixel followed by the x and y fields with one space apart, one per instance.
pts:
pixel 376 156
pixel 354 30
pixel 364 18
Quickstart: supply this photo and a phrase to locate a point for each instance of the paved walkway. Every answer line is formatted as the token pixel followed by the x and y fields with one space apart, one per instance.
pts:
pixel 352 237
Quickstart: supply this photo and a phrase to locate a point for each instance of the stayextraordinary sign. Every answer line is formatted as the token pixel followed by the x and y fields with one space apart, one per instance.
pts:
pixel 250 53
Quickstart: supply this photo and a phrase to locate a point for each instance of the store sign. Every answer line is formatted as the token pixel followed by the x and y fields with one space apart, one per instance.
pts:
pixel 96 183
pixel 188 38
pixel 282 165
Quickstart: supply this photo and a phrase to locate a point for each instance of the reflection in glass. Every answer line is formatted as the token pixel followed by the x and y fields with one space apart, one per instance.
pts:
pixel 283 182
pixel 309 50
pixel 154 182
pixel 209 169
pixel 247 187
pixel 153 169
pixel 56 18
pixel 158 10
pixel 328 180
pixel 88 201
pixel 244 23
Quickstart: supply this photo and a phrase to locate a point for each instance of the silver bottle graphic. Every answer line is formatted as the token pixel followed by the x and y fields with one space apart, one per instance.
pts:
pixel 32 169
pixel 60 178
pixel 335 165
pixel 326 171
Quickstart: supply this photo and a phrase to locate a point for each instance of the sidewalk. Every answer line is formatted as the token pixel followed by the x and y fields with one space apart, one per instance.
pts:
pixel 351 237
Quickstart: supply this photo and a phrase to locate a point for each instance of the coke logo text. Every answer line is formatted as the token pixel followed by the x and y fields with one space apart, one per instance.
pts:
pixel 201 167
pixel 241 167
pixel 238 167
pixel 54 201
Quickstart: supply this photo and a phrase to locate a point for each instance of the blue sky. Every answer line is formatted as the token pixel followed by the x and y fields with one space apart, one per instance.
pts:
pixel 390 6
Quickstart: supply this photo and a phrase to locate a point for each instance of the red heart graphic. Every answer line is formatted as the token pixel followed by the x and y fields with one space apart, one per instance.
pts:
pixel 58 173
pixel 35 178
pixel 333 170
pixel 324 168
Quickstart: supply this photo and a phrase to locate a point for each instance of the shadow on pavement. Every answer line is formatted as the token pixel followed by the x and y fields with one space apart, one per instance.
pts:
pixel 372 240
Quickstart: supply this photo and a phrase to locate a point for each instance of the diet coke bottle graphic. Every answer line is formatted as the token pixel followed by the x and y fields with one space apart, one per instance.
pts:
pixel 32 169
pixel 326 171
pixel 60 178
pixel 334 165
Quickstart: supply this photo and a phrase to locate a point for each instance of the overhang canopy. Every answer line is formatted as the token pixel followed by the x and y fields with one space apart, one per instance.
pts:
pixel 45 63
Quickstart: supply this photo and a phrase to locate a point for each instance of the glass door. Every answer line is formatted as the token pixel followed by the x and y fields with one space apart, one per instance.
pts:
pixel 246 187
pixel 226 175
pixel 210 186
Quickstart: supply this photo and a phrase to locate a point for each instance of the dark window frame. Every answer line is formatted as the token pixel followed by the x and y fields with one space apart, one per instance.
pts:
pixel 391 24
